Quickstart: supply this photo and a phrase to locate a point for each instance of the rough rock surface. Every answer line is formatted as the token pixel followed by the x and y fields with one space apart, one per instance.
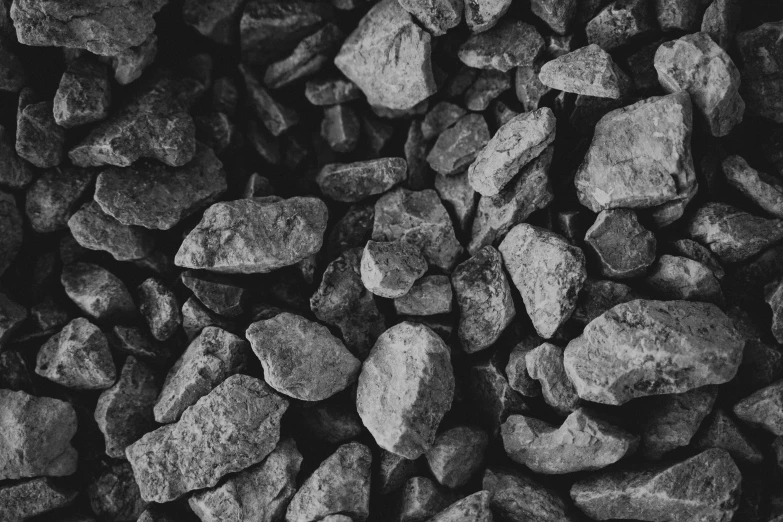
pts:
pixel 159 307
pixel 762 73
pixel 24 500
pixel 437 16
pixel 721 431
pixel 773 295
pixel 763 408
pixel 459 198
pixel 12 315
pixel 457 146
pixel 624 248
pixel 84 94
pixel 484 14
pixel 759 187
pixel 114 494
pixel 351 182
pixel 558 14
pixel 265 234
pixel 621 22
pixel 389 269
pixel 545 364
pixel 507 45
pixel 96 230
pixel 589 71
pixel 516 369
pixel 233 427
pixel 216 292
pixel 421 499
pixel 456 455
pixel 430 295
pixel 97 292
pixel 53 197
pixel 473 508
pixel 39 139
pixel 516 497
pixel 676 277
pixel 644 348
pixel 489 85
pixel 405 387
pixel 442 116
pixel 130 64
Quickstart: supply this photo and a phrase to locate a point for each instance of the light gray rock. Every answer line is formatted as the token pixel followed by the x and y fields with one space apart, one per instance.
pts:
pixel 437 16
pixel 457 454
pixel 84 94
pixel 97 292
pixel 389 269
pixel 351 182
pixel 457 146
pixel 545 364
pixel 430 295
pixel 422 499
pixel 558 14
pixel 509 44
pixel 473 508
pixel 96 230
pixel 484 14
pixel 698 252
pixel 763 408
pixel 676 277
pixel 589 71
pixel 763 190
pixel 159 307
pixel 624 248
pixel 515 497
pixel 24 500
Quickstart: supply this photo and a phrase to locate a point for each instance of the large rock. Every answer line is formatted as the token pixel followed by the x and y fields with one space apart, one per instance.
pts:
pixel 97 292
pixel 84 93
pixel 36 434
pixel 763 408
pixel 644 348
pixel 397 80
pixel 762 189
pixel 254 235
pixel 94 229
pixel 405 387
pixel 507 45
pixel 351 182
pixel 547 271
pixel 704 487
pixel 232 428
pixel 515 497
pixel 457 454
pixel 389 269
pixel 24 500
pixel 589 71
pixel 10 230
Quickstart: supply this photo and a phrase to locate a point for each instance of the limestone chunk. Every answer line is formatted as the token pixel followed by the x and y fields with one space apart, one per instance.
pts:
pixel 621 22
pixel 96 230
pixel 457 454
pixel 545 364
pixel 675 277
pixel 24 500
pixel 430 295
pixel 456 147
pixel 624 248
pixel 509 44
pixel 762 189
pixel 438 16
pixel 763 408
pixel 352 182
pixel 589 71
pixel 97 292
pixel 389 269
pixel 484 14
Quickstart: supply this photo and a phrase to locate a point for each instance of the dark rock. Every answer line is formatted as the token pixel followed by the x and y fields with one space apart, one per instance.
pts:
pixel 12 315
pixel 489 85
pixel 437 16
pixel 721 431
pixel 340 128
pixel 389 269
pixel 351 182
pixel 196 317
pixel 456 455
pixel 84 94
pixel 15 172
pixel 763 190
pixel 675 277
pixel 558 14
pixel 545 364
pixel 528 87
pixel 491 395
pixel 484 14
pixel 394 471
pixel 773 295
pixel 720 21
pixel 473 508
pixel 442 116
pixel 13 77
pixel 159 307
pixel 459 198
pixel 134 341
pixel 96 230
pixel 621 22
pixel 129 64
pixel 114 494
pixel 258 186
pixel 333 421
pixel 679 14
pixel 97 292
pixel 307 58
pixel 39 139
pixel 24 500
pixel 216 292
pixel 624 248
pixel 515 497
pixel 352 230
pixel 507 45
pixel 331 91
pixel 763 409
pixel 588 71
pixel 217 20
pixel 761 51
pixel 588 111
pixel 516 370
pixel 53 197
pixel 457 146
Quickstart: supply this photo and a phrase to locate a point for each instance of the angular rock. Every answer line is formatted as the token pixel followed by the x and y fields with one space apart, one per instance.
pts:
pixel 233 427
pixel 484 14
pixel 154 196
pixel 437 16
pixel 84 94
pixel 491 395
pixel 513 146
pixel 216 292
pixel 528 87
pixel 14 171
pixel 421 500
pixel 763 408
pixel 442 116
pixel 773 296
pixel 763 190
pixel 697 65
pixel 96 230
pixel 458 197
pixel 389 269
pixel 265 234
pixel 624 248
pixel 558 14
pixel 457 146
pixel 36 436
pixel 131 63
pixel 340 485
pixel 473 508
pixel 114 494
pixel 52 198
pixel 331 91
pixel 159 307
pixel 210 359
pixel 484 299
pixel 196 317
pixel 547 271
pixel 456 455
pixel 517 497
pixel 351 182
pixel 215 20
pixel 675 277
pixel 696 251
pixel 703 487
pixel 721 431
pixel 720 21
pixel 405 387
pixel 276 117
pixel 39 139
pixel 589 71
pixel 644 348
pixel 516 369
pixel 352 230
pixel 12 315
pixel 134 341
pixel 545 364
pixel 394 471
pixel 340 128
pixel 679 14
pixel 507 45
pixel 308 57
pixel 97 292
pixel 399 80
pixel 430 295
pixel 621 22
pixel 24 500
pixel 762 74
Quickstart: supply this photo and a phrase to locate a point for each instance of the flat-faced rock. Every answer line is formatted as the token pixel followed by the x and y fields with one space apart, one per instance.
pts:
pixel 389 269
pixel 623 247
pixel 53 197
pixel 276 117
pixel 703 487
pixel 509 44
pixel 515 497
pixel 459 198
pixel 215 20
pixel 519 377
pixel 484 14
pixel 763 408
pixel 645 347
pixel 473 508
pixel 762 74
pixel 260 493
pixel 489 84
pixel 84 94
pixel 698 252
pixel 331 90
pixel 763 190
pixel 512 147
pixel 216 292
pixel 437 16
pixel 24 500
pixel 442 116
pixel 265 235
pixel 421 499
pixel 114 494
pixel 721 431
pixel 528 87
pixel 340 485
pixel 773 295
pixel 621 22
pixel 124 411
pixel 697 65
pixel 12 315
pixel 96 230
pixel 732 234
pixel 583 442
pixel 589 71
pixel 558 14
pixel 720 21
pixel 399 80
pixel 129 64
pixel 545 364
pixel 340 128
pixel 154 196
pixel 430 295
pixel 676 277
pixel 97 292
pixel 233 427
pixel 457 454
pixel 308 57
pixel 420 218
pixel 159 307
pixel 301 358
pixel 456 147
pixel 39 139
pixel 484 299
pixel 210 359
pixel 405 387
pixel 351 182
pixel 36 436
pixel 547 271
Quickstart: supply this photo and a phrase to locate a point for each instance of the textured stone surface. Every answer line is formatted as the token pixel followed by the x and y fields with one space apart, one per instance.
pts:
pixel 129 64
pixel 159 307
pixel 773 295
pixel 39 139
pixel 430 295
pixel 583 442
pixel 340 128
pixel 233 427
pixel 331 90
pixel 97 292
pixel 703 487
pixel 720 21
pixel 644 348
pixel 721 431
pixel 621 22
pixel 759 187
pixel 114 494
pixel 53 197
pixel 484 14
pixel 84 94
pixel 24 500
pixel 437 16
pixel 351 182
pixel 517 497
pixel 528 87
pixel 698 252
pixel 405 387
pixel 516 369
pixel 389 269
pixel 257 242
pixel 763 408
pixel 676 277
pixel 558 14
pixel 35 436
pixel 456 455
pixel 545 364
pixel 422 499
pixel 507 45
pixel 589 71
pixel 473 508
pixel 489 84
pixel 679 14
pixel 547 271
pixel 762 75
pixel 624 248
pixel 96 230
pixel 456 147
pixel 459 198
pixel 216 292
pixel 512 147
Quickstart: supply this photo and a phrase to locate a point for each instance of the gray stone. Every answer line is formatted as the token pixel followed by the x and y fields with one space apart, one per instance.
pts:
pixel 762 75
pixel 24 500
pixel 217 293
pixel 405 387
pixel 491 395
pixel 84 94
pixel 217 20
pixel 340 128
pixel 457 454
pixel 721 431
pixel 437 16
pixel 129 64
pixel 773 296
pixel 52 198
pixel 720 21
pixel 352 230
pixel 352 182
pixel 399 80
pixel 36 437
pixel 545 364
pixel 489 85
pixel 624 248
pixel 331 91
pixel 621 22
pixel 484 299
pixel 484 14
pixel 264 235
pixel 233 427
pixel 308 57
pixel 97 292
pixel 421 500
pixel 430 295
pixel 39 139
pixel 698 252
pixel 114 495
pixel 12 315
pixel 389 269
pixel 196 317
pixel 96 230
pixel 589 71
pixel 275 116
pixel 159 307
pixel 473 508
pixel 458 197
pixel 134 341
pixel 512 147
pixel 528 87
pixel 456 147
pixel 763 408
pixel 519 377
pixel 395 471
pixel 675 277
pixel 442 116
pixel 330 422
pixel 558 14
pixel 763 190
pixel 547 271
pixel 15 172
pixel 644 348
pixel 703 487
pixel 516 498
pixel 509 44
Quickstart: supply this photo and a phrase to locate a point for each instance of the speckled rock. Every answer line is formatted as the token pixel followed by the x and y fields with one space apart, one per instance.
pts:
pixel 763 408
pixel 97 292
pixel 159 307
pixel 96 230
pixel 430 295
pixel 53 197
pixel 484 14
pixel 516 369
pixel 589 71
pixel 516 497
pixel 437 16
pixel 389 269
pixel 84 94
pixel 473 508
pixel 679 14
pixel 39 139
pixel 351 182
pixel 676 277
pixel 545 364
pixel 24 500
pixel 624 248
pixel 621 22
pixel 456 147
pixel 759 187
pixel 509 44
pixel 457 454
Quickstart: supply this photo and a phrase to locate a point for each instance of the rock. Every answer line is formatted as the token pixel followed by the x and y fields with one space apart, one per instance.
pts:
pixel 624 248
pixel 215 20
pixel 340 128
pixel 101 27
pixel 763 190
pixel 397 81
pixel 489 85
pixel 233 427
pixel 394 472
pixel 330 90
pixel 583 442
pixel 437 16
pixel 154 196
pixel 516 369
pixel 216 292
pixel 763 408
pixel 97 292
pixel 696 251
pixel 389 269
pixel 196 317
pixel 209 360
pixel 621 22
pixel 261 492
pixel 517 497
pixel 730 233
pixel 545 364
pixel 668 422
pixel 14 171
pixel 720 21
pixel 352 230
pixel 276 117
pixel 703 487
pixel 114 494
pixel 419 218
pixel 490 394
pixel 96 230
pixel 697 65
pixel 36 437
pixel 12 315
pixel 484 299
pixel 640 157
pixel 405 387
pixel 159 307
pixel 547 271
pixel 456 455
pixel 558 14
pixel 679 14
pixel 675 277
pixel 132 340
pixel 53 197
pixel 13 77
pixel 129 64
pixel 421 500
pixel 340 485
pixel 598 296
pixel 473 508
pixel 773 296
pixel 84 94
pixel 430 295
pixel 528 87
pixel 442 116
pixel 507 45
pixel 458 197
pixel 124 411
pixel 762 76
pixel 720 431
pixel 589 71
pixel 153 124
pixel 24 500
pixel 308 57
pixel 257 242
pixel 513 146
pixel 644 348
pixel 351 182
pixel 457 146
pixel 39 139
pixel 484 14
